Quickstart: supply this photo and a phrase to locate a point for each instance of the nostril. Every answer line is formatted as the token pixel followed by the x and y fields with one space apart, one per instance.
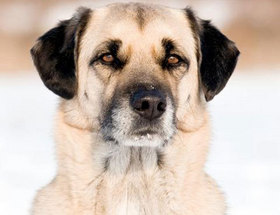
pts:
pixel 161 106
pixel 145 105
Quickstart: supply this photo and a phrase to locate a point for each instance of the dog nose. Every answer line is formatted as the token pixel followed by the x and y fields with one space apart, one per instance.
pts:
pixel 150 104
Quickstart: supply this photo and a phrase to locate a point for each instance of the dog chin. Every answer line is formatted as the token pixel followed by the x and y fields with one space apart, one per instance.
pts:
pixel 148 140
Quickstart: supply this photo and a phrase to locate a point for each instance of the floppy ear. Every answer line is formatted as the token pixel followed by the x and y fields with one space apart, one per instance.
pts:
pixel 218 59
pixel 54 54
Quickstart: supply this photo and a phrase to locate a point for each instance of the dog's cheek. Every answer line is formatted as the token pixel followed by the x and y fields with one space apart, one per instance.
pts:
pixel 191 106
pixel 90 91
pixel 185 93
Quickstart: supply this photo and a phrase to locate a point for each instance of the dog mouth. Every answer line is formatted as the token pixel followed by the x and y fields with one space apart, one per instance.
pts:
pixel 137 133
pixel 142 134
pixel 146 132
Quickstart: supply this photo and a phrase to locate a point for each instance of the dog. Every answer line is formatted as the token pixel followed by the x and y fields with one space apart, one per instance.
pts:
pixel 132 129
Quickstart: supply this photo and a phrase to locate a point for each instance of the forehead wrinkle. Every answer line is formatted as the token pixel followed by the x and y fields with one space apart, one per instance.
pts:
pixel 140 19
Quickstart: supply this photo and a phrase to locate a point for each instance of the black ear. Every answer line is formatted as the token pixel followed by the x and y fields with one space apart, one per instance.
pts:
pixel 54 54
pixel 219 57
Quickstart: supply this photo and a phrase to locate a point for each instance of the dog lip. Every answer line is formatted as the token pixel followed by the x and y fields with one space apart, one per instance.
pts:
pixel 144 132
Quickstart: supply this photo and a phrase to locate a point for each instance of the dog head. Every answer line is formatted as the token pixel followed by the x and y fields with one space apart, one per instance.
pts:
pixel 138 70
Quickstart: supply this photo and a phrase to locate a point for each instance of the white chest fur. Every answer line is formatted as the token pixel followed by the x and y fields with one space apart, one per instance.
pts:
pixel 135 185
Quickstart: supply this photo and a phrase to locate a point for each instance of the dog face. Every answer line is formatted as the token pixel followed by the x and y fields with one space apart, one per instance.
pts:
pixel 135 71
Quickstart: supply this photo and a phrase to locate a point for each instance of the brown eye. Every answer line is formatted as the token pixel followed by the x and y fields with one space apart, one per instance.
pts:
pixel 107 58
pixel 173 59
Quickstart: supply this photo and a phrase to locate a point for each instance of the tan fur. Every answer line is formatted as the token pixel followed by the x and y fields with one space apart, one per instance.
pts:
pixel 134 183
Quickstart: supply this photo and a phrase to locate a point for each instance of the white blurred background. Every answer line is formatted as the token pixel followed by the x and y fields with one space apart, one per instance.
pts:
pixel 245 152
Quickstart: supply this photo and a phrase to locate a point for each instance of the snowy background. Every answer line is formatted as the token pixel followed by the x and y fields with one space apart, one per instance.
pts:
pixel 245 148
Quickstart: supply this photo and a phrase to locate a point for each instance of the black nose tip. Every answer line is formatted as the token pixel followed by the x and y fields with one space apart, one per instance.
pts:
pixel 150 104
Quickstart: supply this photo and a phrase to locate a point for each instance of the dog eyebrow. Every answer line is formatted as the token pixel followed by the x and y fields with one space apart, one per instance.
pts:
pixel 168 45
